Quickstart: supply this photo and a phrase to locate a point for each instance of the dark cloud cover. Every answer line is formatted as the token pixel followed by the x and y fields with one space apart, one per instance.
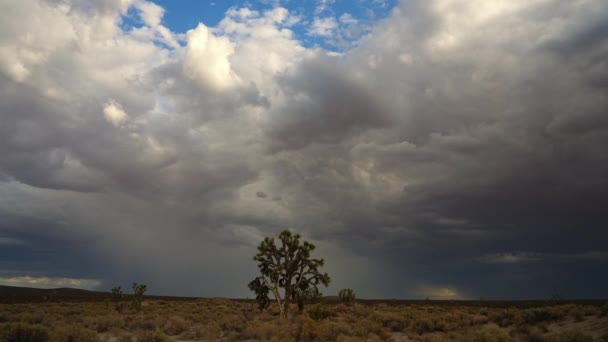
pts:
pixel 457 151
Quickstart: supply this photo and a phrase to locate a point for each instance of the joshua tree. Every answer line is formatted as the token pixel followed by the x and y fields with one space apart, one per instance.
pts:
pixel 287 268
pixel 117 298
pixel 347 296
pixel 138 295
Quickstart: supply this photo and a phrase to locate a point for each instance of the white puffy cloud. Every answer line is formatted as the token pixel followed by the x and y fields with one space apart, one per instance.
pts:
pixel 323 27
pixel 114 113
pixel 206 59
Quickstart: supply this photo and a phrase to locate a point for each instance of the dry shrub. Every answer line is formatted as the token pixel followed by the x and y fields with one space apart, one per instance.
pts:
pixel 320 311
pixel 428 324
pixel 366 327
pixel 151 336
pixel 176 325
pixel 487 334
pixel 273 330
pixel 503 318
pixel 314 331
pixel 232 322
pixel 5 316
pixel 32 317
pixel 391 320
pixel 573 335
pixel 203 332
pixel 23 332
pixel 72 333
pixel 104 323
pixel 146 324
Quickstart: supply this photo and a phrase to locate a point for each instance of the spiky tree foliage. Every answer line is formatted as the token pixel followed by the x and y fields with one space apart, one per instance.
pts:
pixel 138 295
pixel 261 289
pixel 285 270
pixel 347 296
pixel 117 297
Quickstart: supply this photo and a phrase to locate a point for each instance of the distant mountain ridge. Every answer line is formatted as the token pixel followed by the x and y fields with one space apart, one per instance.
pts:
pixel 17 294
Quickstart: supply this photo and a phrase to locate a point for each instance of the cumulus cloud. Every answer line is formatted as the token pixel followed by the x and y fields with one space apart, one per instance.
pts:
pixel 442 139
pixel 206 59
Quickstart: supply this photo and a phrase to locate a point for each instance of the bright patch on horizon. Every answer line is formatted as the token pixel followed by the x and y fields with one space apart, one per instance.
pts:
pixel 46 282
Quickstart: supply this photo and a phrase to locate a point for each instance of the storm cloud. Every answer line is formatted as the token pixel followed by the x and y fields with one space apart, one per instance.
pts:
pixel 456 151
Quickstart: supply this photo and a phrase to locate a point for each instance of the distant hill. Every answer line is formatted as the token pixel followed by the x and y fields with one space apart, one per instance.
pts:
pixel 15 294
pixel 27 294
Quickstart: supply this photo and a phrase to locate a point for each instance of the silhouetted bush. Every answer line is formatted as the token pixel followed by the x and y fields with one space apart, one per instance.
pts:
pixel 347 296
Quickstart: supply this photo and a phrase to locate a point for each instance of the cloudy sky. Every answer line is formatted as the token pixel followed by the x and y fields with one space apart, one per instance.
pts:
pixel 430 148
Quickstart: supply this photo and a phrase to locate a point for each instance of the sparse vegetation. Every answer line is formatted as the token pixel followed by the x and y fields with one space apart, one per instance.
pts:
pixel 328 320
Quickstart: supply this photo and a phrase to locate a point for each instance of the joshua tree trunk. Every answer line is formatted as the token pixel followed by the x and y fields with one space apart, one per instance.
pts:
pixel 286 301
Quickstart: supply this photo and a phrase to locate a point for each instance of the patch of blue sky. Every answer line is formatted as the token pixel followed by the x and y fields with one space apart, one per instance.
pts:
pixel 334 25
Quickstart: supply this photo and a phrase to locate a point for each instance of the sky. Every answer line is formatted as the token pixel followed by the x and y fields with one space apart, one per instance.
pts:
pixel 443 149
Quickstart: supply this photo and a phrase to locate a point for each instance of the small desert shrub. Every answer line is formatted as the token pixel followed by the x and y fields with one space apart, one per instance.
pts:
pixel 206 332
pixel 323 331
pixel 272 330
pixel 428 324
pixel 151 336
pixel 5 316
pixel 146 324
pixel 176 325
pixel 23 332
pixel 367 327
pixel 105 323
pixel 126 338
pixel 503 318
pixel 574 335
pixel 528 332
pixel 73 333
pixel 487 334
pixel 30 317
pixel 391 320
pixel 231 322
pixel 320 311
pixel 539 315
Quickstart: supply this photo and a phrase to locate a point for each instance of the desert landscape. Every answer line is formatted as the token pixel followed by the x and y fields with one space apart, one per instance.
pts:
pixel 318 170
pixel 76 315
